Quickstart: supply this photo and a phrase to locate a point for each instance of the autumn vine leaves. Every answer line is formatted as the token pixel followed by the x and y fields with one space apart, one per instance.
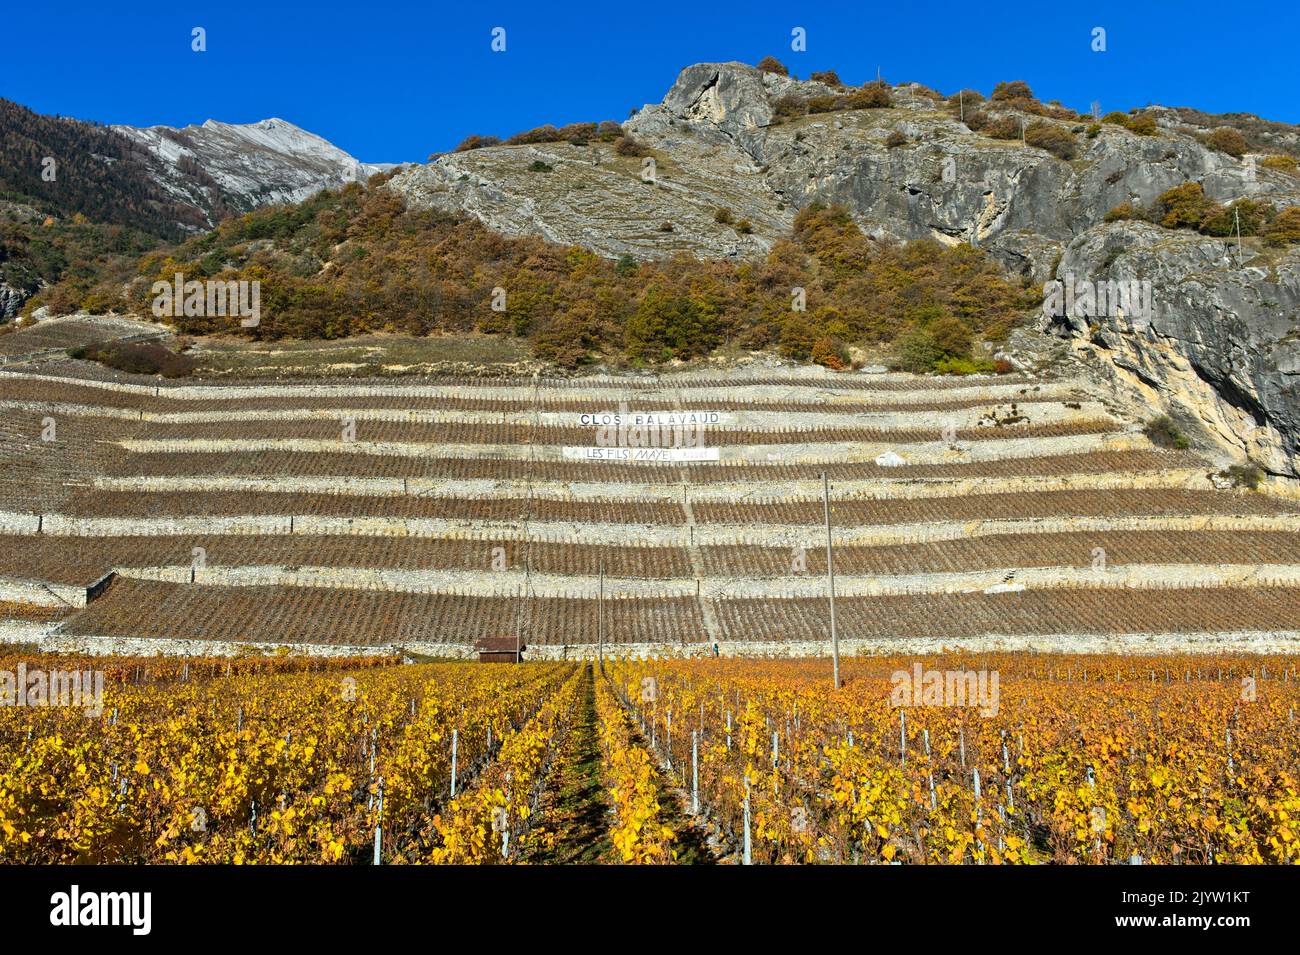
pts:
pixel 1092 759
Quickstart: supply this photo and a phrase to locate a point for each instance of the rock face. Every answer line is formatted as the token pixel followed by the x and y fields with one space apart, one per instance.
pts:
pixel 1220 349
pixel 11 299
pixel 717 143
pixel 222 167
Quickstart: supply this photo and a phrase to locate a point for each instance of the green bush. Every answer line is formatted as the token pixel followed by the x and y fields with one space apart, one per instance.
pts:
pixel 789 106
pixel 476 142
pixel 917 352
pixel 1012 92
pixel 538 166
pixel 532 137
pixel 1182 207
pixel 1143 124
pixel 830 352
pixel 145 358
pixel 1227 140
pixel 629 145
pixel 1284 229
pixel 970 99
pixel 1054 139
pixel 1163 433
pixel 952 336
pixel 1123 211
pixel 1248 475
pixel 722 216
pixel 665 326
pixel 873 95
pixel 1251 215
pixel 963 366
pixel 797 337
pixel 1280 162
pixel 1004 127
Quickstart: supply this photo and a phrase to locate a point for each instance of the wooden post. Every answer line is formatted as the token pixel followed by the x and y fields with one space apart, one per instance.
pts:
pixel 600 618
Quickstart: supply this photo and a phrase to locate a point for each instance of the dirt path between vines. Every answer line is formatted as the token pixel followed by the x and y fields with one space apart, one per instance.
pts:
pixel 576 815
pixel 575 810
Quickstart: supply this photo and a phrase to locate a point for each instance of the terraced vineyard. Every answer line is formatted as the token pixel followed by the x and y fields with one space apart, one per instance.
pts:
pixel 369 516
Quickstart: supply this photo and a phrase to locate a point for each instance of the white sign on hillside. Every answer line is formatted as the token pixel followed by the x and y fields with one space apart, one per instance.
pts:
pixel 653 455
pixel 658 419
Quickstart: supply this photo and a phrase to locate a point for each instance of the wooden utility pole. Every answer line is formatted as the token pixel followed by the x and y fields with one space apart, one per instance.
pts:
pixel 1236 220
pixel 830 578
pixel 519 610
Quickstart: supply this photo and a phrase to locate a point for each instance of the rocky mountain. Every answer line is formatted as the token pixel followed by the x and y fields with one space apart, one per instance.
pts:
pixel 223 168
pixel 730 144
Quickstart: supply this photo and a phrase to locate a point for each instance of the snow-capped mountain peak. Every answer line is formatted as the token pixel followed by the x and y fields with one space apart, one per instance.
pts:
pixel 230 167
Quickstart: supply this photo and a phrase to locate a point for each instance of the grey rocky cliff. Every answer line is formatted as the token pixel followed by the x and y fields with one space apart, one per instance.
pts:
pixel 1221 347
pixel 717 144
pixel 11 300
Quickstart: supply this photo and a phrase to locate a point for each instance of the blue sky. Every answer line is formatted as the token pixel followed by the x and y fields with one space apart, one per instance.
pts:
pixel 395 81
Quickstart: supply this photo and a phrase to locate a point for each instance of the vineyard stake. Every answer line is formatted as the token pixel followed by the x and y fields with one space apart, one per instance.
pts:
pixel 830 579
pixel 695 772
pixel 505 828
pixel 925 735
pixel 379 823
pixel 747 858
pixel 455 738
